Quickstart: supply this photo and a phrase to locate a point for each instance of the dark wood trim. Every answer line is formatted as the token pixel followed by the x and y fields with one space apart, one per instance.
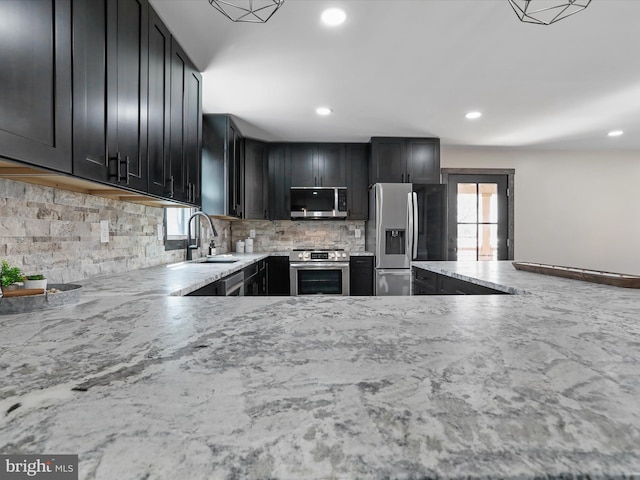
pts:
pixel 510 173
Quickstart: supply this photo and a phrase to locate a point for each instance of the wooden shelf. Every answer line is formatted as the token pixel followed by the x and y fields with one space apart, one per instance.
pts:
pixel 586 275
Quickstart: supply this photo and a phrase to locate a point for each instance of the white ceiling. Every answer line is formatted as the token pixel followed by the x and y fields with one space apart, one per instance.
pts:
pixel 415 67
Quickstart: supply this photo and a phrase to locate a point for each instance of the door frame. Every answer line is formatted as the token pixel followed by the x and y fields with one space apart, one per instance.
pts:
pixel 510 173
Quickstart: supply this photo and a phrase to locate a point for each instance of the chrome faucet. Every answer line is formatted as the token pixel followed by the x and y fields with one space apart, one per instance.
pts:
pixel 189 240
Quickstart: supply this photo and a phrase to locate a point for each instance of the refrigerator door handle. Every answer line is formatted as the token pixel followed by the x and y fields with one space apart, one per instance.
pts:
pixel 409 235
pixel 414 228
pixel 380 246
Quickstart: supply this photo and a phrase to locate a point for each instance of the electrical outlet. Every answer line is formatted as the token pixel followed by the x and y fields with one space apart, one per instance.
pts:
pixel 252 233
pixel 358 233
pixel 104 231
pixel 160 232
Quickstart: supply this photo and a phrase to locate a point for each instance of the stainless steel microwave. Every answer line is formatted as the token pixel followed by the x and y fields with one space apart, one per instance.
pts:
pixel 318 202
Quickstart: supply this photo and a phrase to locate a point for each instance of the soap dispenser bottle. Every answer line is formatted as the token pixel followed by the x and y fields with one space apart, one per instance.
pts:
pixel 212 247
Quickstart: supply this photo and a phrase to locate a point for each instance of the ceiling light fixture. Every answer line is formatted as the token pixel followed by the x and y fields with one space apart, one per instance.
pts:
pixel 333 17
pixel 323 111
pixel 248 11
pixel 546 12
pixel 473 115
pixel 615 133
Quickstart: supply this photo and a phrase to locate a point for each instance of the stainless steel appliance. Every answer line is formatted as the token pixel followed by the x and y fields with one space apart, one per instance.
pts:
pixel 318 202
pixel 319 272
pixel 406 222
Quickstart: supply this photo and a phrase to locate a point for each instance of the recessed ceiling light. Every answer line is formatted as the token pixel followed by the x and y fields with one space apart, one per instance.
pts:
pixel 473 115
pixel 324 111
pixel 615 133
pixel 333 17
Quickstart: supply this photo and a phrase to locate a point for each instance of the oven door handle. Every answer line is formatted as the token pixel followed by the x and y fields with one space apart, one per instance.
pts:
pixel 319 265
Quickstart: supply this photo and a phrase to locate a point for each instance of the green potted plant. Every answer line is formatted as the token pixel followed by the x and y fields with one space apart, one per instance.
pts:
pixel 9 276
pixel 35 281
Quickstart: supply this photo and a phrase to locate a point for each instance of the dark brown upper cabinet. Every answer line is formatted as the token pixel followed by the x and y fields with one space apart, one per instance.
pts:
pixel 255 179
pixel 404 160
pixel 222 166
pixel 35 83
pixel 185 128
pixel 318 165
pixel 357 159
pixel 110 45
pixel 159 107
pixel 279 175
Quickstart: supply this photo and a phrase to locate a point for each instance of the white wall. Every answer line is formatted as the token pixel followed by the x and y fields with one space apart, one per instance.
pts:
pixel 575 209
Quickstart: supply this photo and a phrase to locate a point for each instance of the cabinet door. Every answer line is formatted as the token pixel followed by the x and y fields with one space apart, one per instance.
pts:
pixel 255 179
pixel 110 42
pixel 357 181
pixel 214 169
pixel 423 160
pixel 131 117
pixel 35 83
pixel 304 171
pixel 361 276
pixel 179 187
pixel 331 165
pixel 279 182
pixel 234 159
pixel 425 282
pixel 193 134
pixel 388 160
pixel 94 87
pixel 158 105
pixel 278 279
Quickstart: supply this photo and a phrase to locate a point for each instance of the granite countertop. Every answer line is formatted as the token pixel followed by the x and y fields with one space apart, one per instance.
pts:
pixel 141 383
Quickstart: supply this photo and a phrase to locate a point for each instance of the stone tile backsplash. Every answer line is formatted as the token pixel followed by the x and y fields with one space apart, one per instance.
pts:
pixel 284 235
pixel 57 233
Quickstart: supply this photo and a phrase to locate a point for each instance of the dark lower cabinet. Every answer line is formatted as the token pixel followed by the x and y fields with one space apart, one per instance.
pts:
pixel 255 279
pixel 431 283
pixel 425 282
pixel 361 276
pixel 264 277
pixel 215 289
pixel 278 280
pixel 35 83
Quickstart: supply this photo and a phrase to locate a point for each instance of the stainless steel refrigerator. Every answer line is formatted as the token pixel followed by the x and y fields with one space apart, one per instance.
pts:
pixel 406 222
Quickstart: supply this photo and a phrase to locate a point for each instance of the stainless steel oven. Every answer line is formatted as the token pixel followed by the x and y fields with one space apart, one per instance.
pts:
pixel 319 272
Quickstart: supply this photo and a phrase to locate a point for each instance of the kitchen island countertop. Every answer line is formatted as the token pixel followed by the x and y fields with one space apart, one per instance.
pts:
pixel 143 383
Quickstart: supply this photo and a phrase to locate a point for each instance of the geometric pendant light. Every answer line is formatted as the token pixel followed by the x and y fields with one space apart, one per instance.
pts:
pixel 546 12
pixel 251 11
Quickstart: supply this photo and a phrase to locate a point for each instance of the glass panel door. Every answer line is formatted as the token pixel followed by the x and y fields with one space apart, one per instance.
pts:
pixel 478 221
